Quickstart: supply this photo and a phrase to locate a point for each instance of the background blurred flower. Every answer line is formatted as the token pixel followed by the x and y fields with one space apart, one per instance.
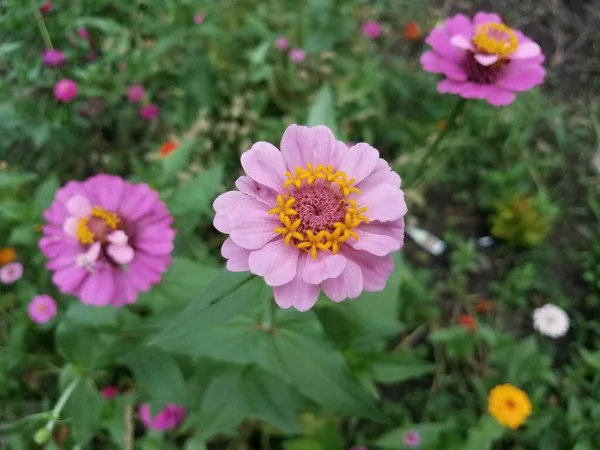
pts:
pixel 149 111
pixel 198 18
pixel 52 57
pixel 46 7
pixel 468 322
pixel 412 31
pixel 65 90
pixel 551 320
pixel 7 255
pixel 136 93
pixel 83 33
pixel 412 439
pixel 109 392
pixel 282 43
pixel 170 417
pixel 509 405
pixel 11 272
pixel 167 148
pixel 297 54
pixel 41 309
pixel 371 29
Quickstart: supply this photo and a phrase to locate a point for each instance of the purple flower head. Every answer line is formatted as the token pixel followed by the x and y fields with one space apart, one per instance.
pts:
pixel 109 392
pixel 41 309
pixel 83 33
pixel 198 18
pixel 483 59
pixel 65 90
pixel 11 272
pixel 135 93
pixel 371 29
pixel 46 7
pixel 107 240
pixel 297 55
pixel 282 43
pixel 53 58
pixel 170 417
pixel 412 439
pixel 149 111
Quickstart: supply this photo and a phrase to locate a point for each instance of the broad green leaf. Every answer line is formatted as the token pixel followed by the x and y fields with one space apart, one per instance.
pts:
pixel 45 192
pixel 116 410
pixel 23 235
pixel 177 160
pixel 197 194
pixel 15 180
pixel 159 375
pixel 83 408
pixel 85 315
pixel 322 110
pixel 81 346
pixel 394 367
pixel 13 210
pixel 483 436
pixel 26 424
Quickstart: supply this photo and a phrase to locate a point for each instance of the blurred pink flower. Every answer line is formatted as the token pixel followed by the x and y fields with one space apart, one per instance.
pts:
pixel 297 54
pixel 149 111
pixel 170 417
pixel 109 392
pixel 136 93
pixel 483 59
pixel 107 240
pixel 65 90
pixel 41 309
pixel 282 43
pixel 371 29
pixel 11 272
pixel 83 33
pixel 412 439
pixel 198 18
pixel 53 58
pixel 46 7
pixel 315 216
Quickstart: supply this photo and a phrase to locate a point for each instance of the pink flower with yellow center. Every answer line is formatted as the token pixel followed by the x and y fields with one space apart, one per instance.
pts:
pixel 41 309
pixel 107 240
pixel 314 216
pixel 483 59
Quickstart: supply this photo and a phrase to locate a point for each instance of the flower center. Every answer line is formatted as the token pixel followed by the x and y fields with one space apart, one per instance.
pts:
pixel 483 74
pixel 97 227
pixel 316 212
pixel 495 39
pixel 510 404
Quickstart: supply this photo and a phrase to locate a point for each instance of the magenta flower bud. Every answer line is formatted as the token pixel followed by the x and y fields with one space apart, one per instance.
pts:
pixel 149 111
pixel 53 58
pixel 11 272
pixel 83 33
pixel 109 392
pixel 65 90
pixel 46 7
pixel 170 417
pixel 297 55
pixel 371 29
pixel 136 93
pixel 41 309
pixel 198 18
pixel 412 439
pixel 281 43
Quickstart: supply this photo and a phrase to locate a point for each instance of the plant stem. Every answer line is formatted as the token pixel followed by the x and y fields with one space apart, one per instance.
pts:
pixel 269 317
pixel 41 25
pixel 61 403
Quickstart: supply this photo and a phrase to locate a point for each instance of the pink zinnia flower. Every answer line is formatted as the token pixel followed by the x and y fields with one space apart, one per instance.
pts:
pixel 109 392
pixel 313 216
pixel 297 54
pixel 46 7
pixel 107 240
pixel 53 58
pixel 149 111
pixel 11 272
pixel 371 29
pixel 170 417
pixel 65 90
pixel 136 93
pixel 198 18
pixel 412 439
pixel 41 309
pixel 83 33
pixel 282 43
pixel 483 59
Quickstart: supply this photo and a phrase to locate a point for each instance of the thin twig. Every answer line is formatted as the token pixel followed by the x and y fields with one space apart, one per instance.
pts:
pixel 129 428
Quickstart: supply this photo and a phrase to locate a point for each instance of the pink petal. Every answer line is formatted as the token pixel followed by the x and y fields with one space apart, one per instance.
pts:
pixel 359 162
pixel 521 77
pixel 265 165
pixel 327 265
pixel 138 200
pixel 459 24
pixel 377 244
pixel 65 260
pixel 226 202
pixel 375 269
pixel 93 252
pixel 385 203
pixel 394 229
pixel 220 223
pixel 475 90
pixel 349 284
pixel 79 206
pixel 276 262
pixel 156 240
pixel 125 291
pixel 460 41
pixel 70 226
pixel 439 41
pixel 325 150
pixel 486 60
pixel 256 190
pixel 297 147
pixel 109 190
pixel 450 87
pixel 382 174
pixel 69 279
pixel 483 17
pixel 453 70
pixel 431 62
pixel 497 96
pixel 297 293
pixel 251 226
pixel 118 237
pixel 237 257
pixel 527 50
pixel 122 254
pixel 98 289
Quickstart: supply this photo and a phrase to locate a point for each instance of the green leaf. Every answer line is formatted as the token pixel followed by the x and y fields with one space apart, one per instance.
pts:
pixel 79 345
pixel 84 408
pixel 176 161
pixel 15 180
pixel 394 368
pixel 197 194
pixel 483 436
pixel 45 192
pixel 13 210
pixel 429 433
pixel 27 424
pixel 159 375
pixel 108 26
pixel 23 235
pixel 322 110
pixel 302 444
pixel 85 315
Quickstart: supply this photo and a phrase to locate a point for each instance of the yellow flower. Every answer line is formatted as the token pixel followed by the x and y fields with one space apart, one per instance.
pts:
pixel 509 405
pixel 7 255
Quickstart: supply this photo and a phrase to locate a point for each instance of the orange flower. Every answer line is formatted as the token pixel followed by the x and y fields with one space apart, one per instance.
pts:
pixel 168 148
pixel 484 306
pixel 7 255
pixel 441 125
pixel 468 322
pixel 412 31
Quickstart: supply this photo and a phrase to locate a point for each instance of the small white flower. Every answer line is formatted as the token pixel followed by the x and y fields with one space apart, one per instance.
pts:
pixel 550 320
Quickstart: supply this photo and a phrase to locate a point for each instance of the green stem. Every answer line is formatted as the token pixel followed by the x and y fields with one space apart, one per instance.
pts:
pixel 41 25
pixel 269 318
pixel 62 401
